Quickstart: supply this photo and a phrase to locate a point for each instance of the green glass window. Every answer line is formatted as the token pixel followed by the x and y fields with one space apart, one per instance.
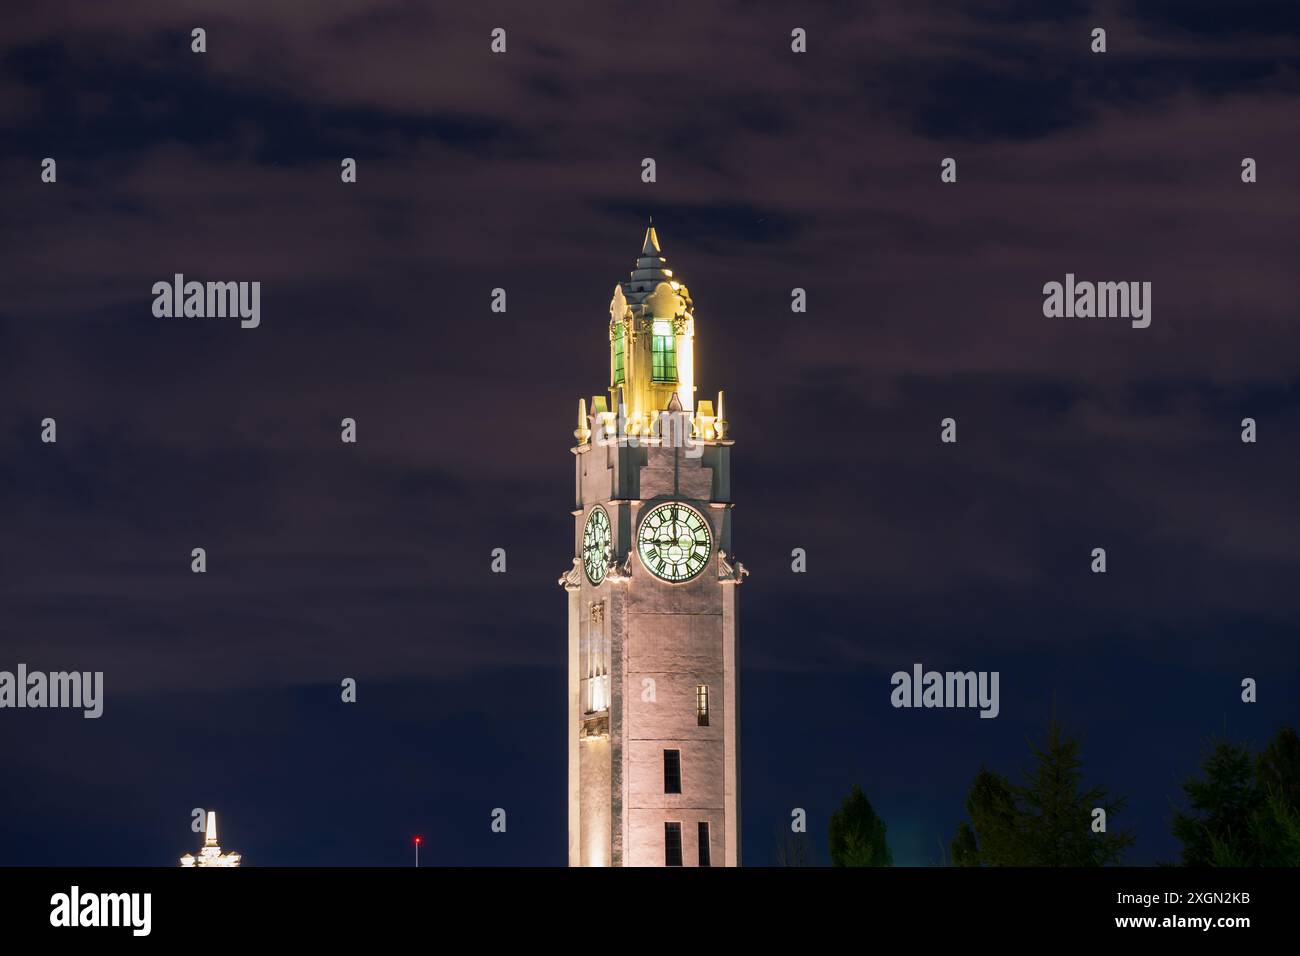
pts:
pixel 618 355
pixel 663 355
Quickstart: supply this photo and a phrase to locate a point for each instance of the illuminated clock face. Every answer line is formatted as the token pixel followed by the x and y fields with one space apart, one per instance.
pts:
pixel 674 542
pixel 595 539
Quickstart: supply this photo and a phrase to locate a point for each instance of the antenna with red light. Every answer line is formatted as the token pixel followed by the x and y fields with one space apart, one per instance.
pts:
pixel 418 841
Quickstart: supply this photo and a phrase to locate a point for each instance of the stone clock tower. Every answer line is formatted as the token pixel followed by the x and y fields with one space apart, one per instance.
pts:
pixel 653 734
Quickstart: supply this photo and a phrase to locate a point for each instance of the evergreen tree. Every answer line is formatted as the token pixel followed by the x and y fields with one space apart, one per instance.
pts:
pixel 1243 810
pixel 1278 768
pixel 1277 822
pixel 1058 813
pixel 993 836
pixel 857 835
pixel 1046 822
pixel 1277 831
pixel 1218 829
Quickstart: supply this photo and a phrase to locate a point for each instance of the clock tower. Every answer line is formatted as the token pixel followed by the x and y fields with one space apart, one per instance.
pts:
pixel 653 732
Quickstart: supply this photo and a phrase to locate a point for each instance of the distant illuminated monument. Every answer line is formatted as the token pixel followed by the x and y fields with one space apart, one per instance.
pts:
pixel 653 739
pixel 211 854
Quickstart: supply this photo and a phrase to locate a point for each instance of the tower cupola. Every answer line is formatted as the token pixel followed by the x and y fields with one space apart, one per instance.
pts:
pixel 651 337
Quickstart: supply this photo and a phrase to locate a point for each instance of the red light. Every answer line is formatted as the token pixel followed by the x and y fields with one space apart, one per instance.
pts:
pixel 418 841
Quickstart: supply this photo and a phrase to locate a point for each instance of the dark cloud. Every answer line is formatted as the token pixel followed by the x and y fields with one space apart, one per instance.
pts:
pixel 1216 20
pixel 161 97
pixel 719 227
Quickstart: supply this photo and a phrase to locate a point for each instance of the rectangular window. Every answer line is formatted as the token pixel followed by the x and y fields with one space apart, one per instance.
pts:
pixel 672 844
pixel 704 845
pixel 672 771
pixel 618 355
pixel 663 353
pixel 702 704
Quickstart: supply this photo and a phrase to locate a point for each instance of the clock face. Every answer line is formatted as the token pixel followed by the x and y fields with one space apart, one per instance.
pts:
pixel 595 539
pixel 674 542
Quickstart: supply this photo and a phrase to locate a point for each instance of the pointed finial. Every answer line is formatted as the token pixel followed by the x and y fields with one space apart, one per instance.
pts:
pixel 720 424
pixel 582 432
pixel 210 838
pixel 651 245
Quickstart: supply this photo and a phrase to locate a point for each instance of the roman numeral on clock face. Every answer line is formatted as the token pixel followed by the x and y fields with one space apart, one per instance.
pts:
pixel 595 541
pixel 674 542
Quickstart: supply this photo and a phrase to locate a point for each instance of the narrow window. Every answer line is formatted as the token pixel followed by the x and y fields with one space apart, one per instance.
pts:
pixel 618 354
pixel 704 845
pixel 702 704
pixel 663 353
pixel 672 844
pixel 672 771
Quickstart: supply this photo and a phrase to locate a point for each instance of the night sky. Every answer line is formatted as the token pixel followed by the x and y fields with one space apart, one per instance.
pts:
pixel 522 171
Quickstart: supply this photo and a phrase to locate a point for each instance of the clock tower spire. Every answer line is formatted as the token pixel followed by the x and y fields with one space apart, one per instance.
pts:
pixel 653 731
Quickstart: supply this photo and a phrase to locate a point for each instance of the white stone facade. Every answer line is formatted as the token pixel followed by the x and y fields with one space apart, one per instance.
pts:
pixel 663 643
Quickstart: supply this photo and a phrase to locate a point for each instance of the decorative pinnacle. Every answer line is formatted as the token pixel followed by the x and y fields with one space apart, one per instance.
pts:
pixel 582 432
pixel 651 245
